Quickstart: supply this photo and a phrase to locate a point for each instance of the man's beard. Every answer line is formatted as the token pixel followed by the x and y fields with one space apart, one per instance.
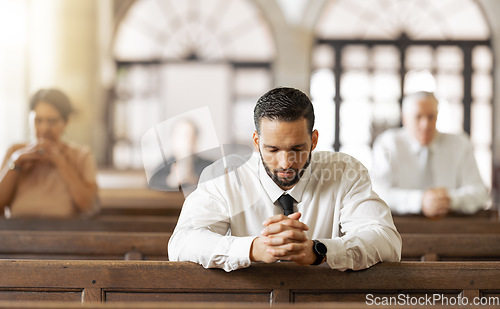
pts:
pixel 283 182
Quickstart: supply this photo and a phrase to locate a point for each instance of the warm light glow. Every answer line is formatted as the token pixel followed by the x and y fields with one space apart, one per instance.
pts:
pixel 322 93
pixel 13 36
pixel 44 51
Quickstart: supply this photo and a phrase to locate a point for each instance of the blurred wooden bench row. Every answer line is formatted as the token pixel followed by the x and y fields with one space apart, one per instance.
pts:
pixel 125 223
pixel 144 202
pixel 160 223
pixel 89 245
pixel 101 223
pixel 153 246
pixel 447 225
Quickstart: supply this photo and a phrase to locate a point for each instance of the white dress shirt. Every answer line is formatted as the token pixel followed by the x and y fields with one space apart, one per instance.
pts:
pixel 397 173
pixel 222 217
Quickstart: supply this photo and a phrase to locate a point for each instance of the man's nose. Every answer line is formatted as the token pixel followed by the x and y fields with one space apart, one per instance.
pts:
pixel 424 123
pixel 285 159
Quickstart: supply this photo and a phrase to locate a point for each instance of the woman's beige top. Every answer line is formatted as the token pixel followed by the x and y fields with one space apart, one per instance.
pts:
pixel 43 192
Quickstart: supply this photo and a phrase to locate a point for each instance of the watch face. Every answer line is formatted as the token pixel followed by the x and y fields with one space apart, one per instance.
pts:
pixel 320 247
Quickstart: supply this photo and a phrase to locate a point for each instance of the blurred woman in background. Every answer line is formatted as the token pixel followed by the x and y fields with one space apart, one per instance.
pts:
pixel 48 177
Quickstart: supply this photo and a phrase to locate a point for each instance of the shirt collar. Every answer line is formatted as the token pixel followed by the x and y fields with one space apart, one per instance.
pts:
pixel 298 190
pixel 274 191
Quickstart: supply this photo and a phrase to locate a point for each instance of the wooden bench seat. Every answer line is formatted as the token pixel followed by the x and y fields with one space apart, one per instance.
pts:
pixel 153 246
pixel 144 202
pixel 179 305
pixel 156 223
pixel 486 214
pixel 421 225
pixel 433 247
pixel 83 245
pixel 139 281
pixel 100 223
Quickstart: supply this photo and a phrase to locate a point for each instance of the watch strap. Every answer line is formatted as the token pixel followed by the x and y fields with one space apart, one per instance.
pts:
pixel 320 256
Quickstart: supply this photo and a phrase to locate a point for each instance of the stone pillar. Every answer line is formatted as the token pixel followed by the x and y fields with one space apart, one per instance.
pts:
pixel 294 37
pixel 491 9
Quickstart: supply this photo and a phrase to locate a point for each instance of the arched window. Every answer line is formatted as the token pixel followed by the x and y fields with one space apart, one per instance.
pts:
pixel 175 56
pixel 368 54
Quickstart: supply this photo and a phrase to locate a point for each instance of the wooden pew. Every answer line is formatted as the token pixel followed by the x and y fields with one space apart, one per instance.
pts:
pixel 449 247
pixel 178 305
pixel 139 281
pixel 421 225
pixel 152 246
pixel 144 202
pixel 100 223
pixel 124 223
pixel 83 245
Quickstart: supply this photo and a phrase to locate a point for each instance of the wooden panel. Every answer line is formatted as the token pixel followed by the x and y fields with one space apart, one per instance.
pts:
pixel 327 296
pixel 142 223
pixel 133 211
pixel 153 246
pixel 491 214
pixel 176 305
pixel 100 223
pixel 140 202
pixel 281 296
pixel 356 296
pixel 306 283
pixel 470 294
pixel 117 198
pixel 466 246
pixel 193 296
pixel 421 225
pixel 92 295
pixel 41 295
pixel 483 299
pixel 70 244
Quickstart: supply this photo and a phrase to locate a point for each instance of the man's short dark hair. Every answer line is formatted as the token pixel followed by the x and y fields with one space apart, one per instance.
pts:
pixel 284 104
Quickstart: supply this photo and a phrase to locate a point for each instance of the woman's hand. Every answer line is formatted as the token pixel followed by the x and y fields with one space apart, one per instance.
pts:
pixel 51 152
pixel 27 157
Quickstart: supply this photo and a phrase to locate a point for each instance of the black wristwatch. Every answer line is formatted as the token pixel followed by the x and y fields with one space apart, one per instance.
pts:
pixel 319 249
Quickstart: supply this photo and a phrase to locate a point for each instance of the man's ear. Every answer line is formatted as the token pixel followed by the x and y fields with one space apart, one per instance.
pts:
pixel 255 139
pixel 314 139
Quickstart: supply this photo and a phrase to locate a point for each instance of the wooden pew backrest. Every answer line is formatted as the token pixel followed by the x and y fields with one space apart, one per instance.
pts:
pixel 95 224
pixel 83 245
pixel 139 281
pixel 420 225
pixel 451 247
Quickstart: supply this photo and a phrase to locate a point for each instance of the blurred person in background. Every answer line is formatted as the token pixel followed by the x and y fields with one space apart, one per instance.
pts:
pixel 48 177
pixel 182 170
pixel 418 170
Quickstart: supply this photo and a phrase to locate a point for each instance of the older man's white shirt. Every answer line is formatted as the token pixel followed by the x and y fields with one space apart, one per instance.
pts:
pixel 396 171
